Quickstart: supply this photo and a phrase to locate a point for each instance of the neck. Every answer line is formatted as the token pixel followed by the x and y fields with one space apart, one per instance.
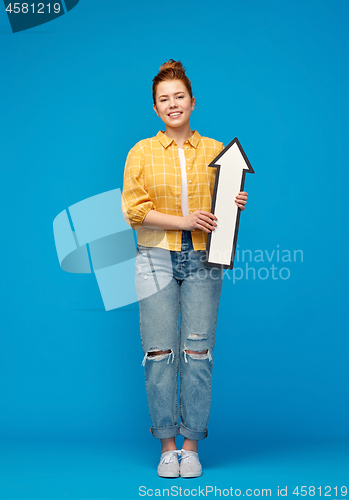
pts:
pixel 180 134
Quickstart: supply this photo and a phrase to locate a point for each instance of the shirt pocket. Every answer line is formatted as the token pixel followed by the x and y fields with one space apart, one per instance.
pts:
pixel 163 185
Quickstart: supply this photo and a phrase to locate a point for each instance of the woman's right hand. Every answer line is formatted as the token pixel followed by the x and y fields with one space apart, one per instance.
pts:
pixel 200 219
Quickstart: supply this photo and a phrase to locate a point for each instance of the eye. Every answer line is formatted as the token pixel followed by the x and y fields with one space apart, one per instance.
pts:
pixel 180 96
pixel 163 100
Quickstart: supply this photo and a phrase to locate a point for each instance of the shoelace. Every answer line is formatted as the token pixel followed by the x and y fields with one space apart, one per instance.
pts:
pixel 188 457
pixel 170 457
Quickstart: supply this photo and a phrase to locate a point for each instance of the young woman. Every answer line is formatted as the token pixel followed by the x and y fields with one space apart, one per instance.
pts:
pixel 167 196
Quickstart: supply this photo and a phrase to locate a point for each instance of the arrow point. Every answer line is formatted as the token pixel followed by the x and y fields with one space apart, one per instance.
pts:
pixel 247 165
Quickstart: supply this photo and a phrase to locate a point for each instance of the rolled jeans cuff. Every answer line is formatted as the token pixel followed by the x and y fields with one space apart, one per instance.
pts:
pixel 190 434
pixel 164 432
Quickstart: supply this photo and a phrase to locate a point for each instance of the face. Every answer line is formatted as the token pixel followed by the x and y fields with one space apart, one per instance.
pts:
pixel 173 103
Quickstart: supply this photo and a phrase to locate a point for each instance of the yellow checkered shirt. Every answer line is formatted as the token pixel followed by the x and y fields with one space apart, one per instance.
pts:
pixel 152 181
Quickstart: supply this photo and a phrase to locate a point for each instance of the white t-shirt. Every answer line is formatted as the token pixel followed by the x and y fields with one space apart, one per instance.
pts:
pixel 184 190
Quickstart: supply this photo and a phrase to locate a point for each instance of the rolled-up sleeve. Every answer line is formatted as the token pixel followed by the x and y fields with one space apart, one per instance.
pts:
pixel 136 202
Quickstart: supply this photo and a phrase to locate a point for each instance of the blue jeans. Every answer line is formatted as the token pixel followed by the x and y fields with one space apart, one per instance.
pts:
pixel 166 282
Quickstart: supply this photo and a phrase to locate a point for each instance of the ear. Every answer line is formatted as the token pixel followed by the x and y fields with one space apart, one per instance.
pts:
pixel 192 103
pixel 155 109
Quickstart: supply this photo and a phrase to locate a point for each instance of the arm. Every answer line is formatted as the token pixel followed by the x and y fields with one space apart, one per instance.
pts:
pixel 136 202
pixel 200 219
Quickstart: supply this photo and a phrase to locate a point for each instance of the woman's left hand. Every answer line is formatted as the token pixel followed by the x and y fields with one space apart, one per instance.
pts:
pixel 241 200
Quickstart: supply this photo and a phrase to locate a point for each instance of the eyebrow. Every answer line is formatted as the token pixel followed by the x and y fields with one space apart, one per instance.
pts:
pixel 166 95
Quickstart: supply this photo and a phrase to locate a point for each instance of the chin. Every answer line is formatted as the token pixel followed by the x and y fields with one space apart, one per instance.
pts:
pixel 176 124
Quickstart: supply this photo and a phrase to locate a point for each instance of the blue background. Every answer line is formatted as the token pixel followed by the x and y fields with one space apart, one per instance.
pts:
pixel 76 96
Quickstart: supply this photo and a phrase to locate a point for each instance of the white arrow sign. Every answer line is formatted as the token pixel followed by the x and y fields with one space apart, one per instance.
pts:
pixel 232 165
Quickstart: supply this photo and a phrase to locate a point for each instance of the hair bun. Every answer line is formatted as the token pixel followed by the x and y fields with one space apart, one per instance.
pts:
pixel 172 64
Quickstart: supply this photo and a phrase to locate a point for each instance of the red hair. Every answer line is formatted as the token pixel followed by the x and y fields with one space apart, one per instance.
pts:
pixel 171 70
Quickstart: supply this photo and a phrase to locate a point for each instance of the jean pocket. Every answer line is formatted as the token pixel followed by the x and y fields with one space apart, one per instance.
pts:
pixel 142 250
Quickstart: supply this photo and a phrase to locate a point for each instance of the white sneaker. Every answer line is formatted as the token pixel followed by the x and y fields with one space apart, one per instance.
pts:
pixel 190 464
pixel 169 465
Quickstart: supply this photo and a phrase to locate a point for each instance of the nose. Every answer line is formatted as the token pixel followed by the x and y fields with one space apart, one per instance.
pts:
pixel 173 103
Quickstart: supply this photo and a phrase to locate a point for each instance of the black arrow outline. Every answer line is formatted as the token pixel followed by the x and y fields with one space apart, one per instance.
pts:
pixel 250 170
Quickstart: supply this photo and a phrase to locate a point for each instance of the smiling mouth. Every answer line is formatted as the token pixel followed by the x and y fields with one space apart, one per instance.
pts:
pixel 176 113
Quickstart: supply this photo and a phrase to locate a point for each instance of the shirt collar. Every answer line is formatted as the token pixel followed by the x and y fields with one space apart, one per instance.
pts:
pixel 166 141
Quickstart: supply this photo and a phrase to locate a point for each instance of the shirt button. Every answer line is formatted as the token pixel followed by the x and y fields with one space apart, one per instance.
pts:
pixel 188 168
pixel 189 182
pixel 186 147
pixel 190 197
pixel 190 212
